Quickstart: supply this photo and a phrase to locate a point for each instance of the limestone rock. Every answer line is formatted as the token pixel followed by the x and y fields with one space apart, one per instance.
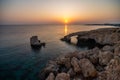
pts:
pixel 107 48
pixel 64 61
pixel 72 54
pixel 94 58
pixel 75 64
pixel 105 57
pixel 87 68
pixel 117 51
pixel 51 77
pixel 62 76
pixel 82 54
pixel 51 67
pixel 113 69
pixel 71 72
pixel 102 76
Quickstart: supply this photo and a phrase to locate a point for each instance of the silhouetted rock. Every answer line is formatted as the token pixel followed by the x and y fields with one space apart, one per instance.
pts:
pixel 35 43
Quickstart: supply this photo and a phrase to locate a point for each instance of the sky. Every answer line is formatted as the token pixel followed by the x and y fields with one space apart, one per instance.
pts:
pixel 59 11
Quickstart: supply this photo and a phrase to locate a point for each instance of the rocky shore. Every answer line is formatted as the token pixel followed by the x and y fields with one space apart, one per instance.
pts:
pixel 98 63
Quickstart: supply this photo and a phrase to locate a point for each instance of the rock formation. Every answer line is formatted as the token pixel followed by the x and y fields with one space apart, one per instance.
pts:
pixel 93 64
pixel 87 68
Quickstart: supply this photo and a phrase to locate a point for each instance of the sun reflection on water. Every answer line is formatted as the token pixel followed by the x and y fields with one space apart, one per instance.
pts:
pixel 66 29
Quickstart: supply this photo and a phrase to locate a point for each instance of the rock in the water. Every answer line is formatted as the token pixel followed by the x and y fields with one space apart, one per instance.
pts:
pixel 75 64
pixel 62 76
pixel 87 68
pixel 105 57
pixel 51 77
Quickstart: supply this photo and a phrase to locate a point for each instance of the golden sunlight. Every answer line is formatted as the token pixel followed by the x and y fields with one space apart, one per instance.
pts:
pixel 66 21
pixel 66 29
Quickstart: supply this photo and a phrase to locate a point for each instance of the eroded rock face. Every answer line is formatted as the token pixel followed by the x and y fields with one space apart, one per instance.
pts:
pixel 87 68
pixel 102 76
pixel 51 77
pixel 117 51
pixel 75 64
pixel 105 57
pixel 107 48
pixel 113 69
pixel 72 54
pixel 62 76
pixel 94 58
pixel 111 35
pixel 94 64
pixel 52 68
pixel 71 72
pixel 64 61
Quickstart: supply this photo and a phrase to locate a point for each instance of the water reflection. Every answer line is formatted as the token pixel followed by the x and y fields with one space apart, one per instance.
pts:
pixel 66 29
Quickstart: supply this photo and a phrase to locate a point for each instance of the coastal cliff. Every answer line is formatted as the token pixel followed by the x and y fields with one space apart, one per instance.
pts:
pixel 97 63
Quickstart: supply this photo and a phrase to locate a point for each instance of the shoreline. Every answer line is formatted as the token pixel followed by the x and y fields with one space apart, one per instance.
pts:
pixel 93 64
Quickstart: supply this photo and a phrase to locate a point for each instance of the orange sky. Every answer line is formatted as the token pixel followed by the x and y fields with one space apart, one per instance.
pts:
pixel 52 11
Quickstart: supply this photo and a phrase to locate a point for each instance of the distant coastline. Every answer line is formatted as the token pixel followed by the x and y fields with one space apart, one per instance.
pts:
pixel 107 24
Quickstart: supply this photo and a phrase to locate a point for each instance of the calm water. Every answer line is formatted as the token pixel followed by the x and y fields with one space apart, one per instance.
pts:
pixel 19 62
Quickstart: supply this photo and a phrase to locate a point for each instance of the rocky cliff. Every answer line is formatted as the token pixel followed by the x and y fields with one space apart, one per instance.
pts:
pixel 94 64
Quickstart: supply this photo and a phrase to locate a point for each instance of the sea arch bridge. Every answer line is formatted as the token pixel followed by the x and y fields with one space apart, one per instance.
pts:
pixel 83 39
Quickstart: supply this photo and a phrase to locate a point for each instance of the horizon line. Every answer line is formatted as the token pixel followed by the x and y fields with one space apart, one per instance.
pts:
pixel 110 24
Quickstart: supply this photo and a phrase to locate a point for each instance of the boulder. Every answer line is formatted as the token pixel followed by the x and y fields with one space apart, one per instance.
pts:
pixel 72 54
pixel 62 60
pixel 87 68
pixel 113 69
pixel 105 57
pixel 94 58
pixel 78 78
pixel 62 76
pixel 71 72
pixel 99 67
pixel 51 77
pixel 102 76
pixel 51 67
pixel 117 51
pixel 75 64
pixel 82 54
pixel 88 53
pixel 108 48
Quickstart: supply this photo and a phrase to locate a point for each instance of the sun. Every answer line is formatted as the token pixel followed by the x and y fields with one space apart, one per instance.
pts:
pixel 66 21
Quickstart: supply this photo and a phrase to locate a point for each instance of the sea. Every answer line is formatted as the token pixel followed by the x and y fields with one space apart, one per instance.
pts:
pixel 18 61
